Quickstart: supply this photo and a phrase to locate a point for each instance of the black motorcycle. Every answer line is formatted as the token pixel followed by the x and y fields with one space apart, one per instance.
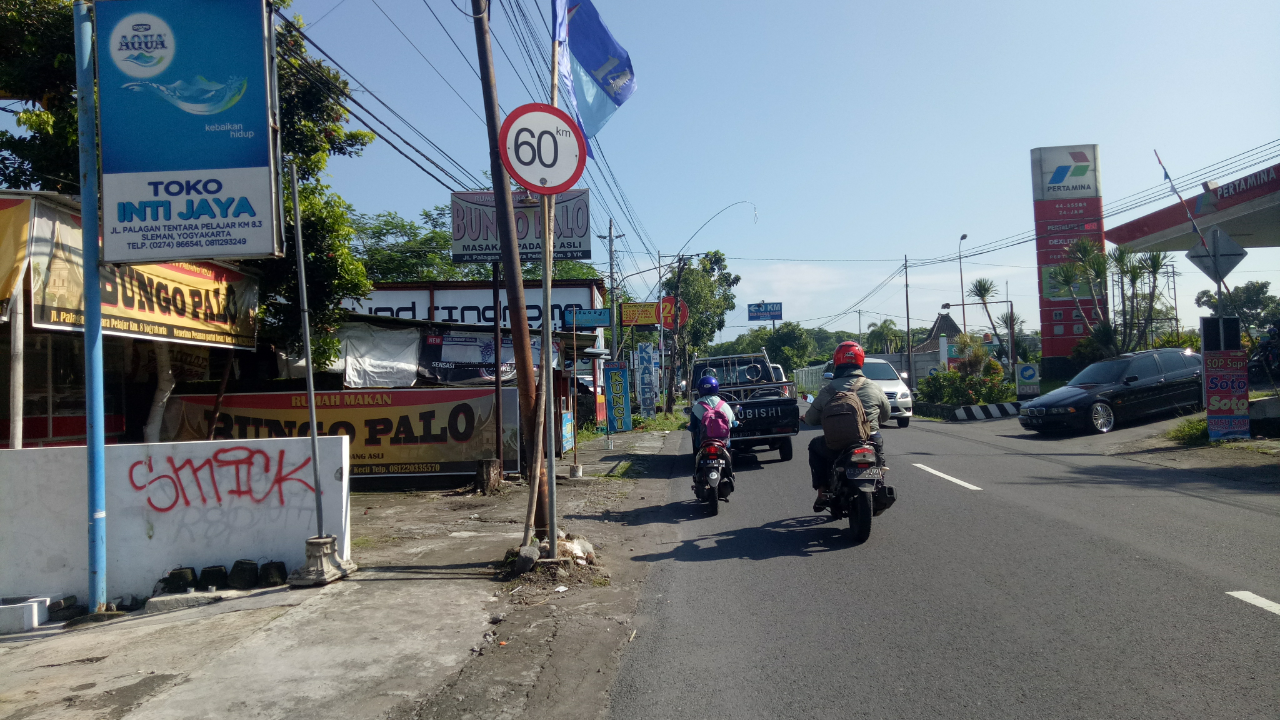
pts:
pixel 857 489
pixel 713 475
pixel 1265 358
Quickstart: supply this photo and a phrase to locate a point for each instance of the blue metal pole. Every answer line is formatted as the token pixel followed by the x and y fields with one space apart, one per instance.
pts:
pixel 94 409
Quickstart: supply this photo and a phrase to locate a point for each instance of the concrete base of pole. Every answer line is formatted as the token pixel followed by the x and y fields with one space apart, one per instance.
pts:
pixel 488 477
pixel 323 564
pixel 575 471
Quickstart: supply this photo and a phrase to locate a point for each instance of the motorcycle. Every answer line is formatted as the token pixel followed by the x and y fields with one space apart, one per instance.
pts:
pixel 713 474
pixel 1265 358
pixel 857 489
pixel 711 483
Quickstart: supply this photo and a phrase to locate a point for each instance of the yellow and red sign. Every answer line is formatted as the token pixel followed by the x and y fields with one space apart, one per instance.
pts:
pixel 642 313
pixel 393 432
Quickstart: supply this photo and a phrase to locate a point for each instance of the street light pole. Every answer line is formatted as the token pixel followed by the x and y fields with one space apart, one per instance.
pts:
pixel 960 256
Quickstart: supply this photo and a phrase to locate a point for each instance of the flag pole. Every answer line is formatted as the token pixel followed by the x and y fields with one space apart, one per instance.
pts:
pixel 548 337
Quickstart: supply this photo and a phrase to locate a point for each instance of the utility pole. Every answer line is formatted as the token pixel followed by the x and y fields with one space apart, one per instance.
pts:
pixel 906 284
pixel 960 256
pixel 497 364
pixel 675 336
pixel 615 326
pixel 95 408
pixel 860 339
pixel 520 340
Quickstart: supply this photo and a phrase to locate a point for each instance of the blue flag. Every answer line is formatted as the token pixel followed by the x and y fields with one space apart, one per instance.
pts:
pixel 595 71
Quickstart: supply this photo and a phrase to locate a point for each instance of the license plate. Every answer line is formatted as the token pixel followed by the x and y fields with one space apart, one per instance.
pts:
pixel 872 473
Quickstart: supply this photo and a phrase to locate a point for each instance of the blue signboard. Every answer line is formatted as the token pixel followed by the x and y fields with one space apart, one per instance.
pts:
pixel 764 311
pixel 187 147
pixel 617 388
pixel 648 383
pixel 586 318
pixel 567 434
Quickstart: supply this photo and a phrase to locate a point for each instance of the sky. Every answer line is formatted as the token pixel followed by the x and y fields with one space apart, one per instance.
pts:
pixel 857 132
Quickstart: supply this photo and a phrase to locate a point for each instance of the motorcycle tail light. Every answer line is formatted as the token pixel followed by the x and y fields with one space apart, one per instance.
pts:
pixel 861 450
pixel 712 451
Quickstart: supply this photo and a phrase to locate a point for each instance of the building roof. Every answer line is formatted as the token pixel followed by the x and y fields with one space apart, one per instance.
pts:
pixel 942 325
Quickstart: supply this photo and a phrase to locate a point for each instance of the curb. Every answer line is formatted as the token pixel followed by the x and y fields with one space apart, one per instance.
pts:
pixel 987 412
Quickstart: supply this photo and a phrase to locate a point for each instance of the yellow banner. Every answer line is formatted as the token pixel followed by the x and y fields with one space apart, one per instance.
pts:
pixel 197 303
pixel 393 432
pixel 645 313
pixel 15 228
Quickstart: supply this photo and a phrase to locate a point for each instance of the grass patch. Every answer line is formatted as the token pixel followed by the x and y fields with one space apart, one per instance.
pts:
pixel 621 471
pixel 364 543
pixel 599 581
pixel 661 421
pixel 1192 431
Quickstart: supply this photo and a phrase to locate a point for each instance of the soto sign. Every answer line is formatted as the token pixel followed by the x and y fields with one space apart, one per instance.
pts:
pixel 188 150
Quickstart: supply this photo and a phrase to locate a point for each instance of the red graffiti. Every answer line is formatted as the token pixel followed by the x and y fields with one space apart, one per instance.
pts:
pixel 240 469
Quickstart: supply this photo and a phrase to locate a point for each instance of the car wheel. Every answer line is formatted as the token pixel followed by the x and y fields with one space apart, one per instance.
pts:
pixel 903 422
pixel 1101 417
pixel 784 450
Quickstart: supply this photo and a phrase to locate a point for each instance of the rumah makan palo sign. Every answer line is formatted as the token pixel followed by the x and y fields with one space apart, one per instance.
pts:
pixel 188 151
pixel 1068 208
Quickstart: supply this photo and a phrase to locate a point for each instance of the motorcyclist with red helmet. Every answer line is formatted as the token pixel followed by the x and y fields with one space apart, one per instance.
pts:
pixel 848 360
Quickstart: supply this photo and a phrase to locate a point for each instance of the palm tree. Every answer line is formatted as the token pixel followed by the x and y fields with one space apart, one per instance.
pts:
pixel 1133 275
pixel 1152 263
pixel 1120 258
pixel 1092 265
pixel 882 333
pixel 1068 276
pixel 1011 322
pixel 983 290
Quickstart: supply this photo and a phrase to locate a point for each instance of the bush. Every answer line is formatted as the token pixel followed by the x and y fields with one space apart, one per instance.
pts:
pixel 1192 431
pixel 952 388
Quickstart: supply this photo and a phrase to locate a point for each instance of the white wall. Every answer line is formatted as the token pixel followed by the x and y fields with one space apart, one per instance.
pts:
pixel 470 305
pixel 168 505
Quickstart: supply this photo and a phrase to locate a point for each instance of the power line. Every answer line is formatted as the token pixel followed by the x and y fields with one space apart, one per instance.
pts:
pixel 428 62
pixel 465 59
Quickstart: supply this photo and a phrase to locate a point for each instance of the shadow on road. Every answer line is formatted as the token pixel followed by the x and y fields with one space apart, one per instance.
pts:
pixel 801 536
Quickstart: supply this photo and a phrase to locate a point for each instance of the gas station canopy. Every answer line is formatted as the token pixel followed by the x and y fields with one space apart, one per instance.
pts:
pixel 1247 209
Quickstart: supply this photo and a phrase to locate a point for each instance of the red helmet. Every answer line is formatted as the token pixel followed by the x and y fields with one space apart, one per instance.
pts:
pixel 849 353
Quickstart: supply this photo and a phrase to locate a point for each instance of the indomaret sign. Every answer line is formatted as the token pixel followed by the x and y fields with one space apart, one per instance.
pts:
pixel 1068 208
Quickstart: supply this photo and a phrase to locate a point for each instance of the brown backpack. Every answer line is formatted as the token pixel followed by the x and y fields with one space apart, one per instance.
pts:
pixel 844 420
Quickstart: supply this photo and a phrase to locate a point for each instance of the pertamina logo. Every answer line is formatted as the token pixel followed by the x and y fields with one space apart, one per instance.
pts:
pixel 141 45
pixel 1064 173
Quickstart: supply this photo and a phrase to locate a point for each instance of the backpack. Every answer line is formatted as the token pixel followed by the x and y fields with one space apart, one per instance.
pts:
pixel 715 423
pixel 844 420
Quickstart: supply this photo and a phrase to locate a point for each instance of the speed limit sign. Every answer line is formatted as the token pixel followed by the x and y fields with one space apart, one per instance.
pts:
pixel 542 148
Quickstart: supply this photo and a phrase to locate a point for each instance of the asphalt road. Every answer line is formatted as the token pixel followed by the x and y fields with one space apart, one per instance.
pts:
pixel 1071 585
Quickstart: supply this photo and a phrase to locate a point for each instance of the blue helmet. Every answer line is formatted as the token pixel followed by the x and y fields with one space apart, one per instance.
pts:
pixel 708 386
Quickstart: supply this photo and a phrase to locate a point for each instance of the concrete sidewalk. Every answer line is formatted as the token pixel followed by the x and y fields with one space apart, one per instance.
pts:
pixel 393 633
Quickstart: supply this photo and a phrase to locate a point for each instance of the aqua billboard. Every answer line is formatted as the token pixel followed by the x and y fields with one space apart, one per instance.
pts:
pixel 188 154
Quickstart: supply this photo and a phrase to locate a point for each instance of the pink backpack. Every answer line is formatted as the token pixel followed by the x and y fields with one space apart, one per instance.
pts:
pixel 715 423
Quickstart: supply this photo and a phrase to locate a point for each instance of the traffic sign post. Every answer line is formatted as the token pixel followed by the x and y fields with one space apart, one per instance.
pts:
pixel 1218 255
pixel 543 149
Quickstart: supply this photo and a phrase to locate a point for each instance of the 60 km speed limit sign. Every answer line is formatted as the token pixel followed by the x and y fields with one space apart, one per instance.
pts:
pixel 542 148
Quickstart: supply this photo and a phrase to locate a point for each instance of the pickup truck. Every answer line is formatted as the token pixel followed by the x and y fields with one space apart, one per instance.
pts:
pixel 770 415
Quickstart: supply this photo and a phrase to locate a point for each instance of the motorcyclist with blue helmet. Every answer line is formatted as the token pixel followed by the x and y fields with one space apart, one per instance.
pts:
pixel 708 397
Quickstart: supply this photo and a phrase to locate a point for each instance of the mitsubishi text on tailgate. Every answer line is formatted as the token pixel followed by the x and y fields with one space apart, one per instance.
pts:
pixel 769 414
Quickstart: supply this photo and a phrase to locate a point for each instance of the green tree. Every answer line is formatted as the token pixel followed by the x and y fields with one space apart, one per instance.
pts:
pixel 883 335
pixel 789 346
pixel 37 67
pixel 984 290
pixel 1252 302
pixel 707 288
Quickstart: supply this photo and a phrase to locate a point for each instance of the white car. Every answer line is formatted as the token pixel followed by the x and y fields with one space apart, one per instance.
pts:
pixel 894 387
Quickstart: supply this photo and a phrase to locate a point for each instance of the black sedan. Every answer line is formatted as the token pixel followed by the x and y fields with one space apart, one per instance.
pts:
pixel 1123 388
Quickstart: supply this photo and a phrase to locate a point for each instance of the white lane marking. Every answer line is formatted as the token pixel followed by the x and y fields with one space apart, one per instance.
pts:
pixel 1258 600
pixel 944 476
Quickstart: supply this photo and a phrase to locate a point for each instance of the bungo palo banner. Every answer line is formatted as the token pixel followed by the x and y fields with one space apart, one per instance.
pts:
pixel 1068 208
pixel 475 226
pixel 198 303
pixel 393 432
pixel 187 149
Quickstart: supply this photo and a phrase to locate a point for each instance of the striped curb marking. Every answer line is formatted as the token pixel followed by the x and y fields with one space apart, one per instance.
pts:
pixel 986 412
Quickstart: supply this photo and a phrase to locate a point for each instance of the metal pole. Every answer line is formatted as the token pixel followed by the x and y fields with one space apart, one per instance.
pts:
pixel 548 370
pixel 306 346
pixel 964 316
pixel 613 297
pixel 95 433
pixel 497 365
pixel 675 335
pixel 520 337
pixel 573 387
pixel 906 285
pixel 17 342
